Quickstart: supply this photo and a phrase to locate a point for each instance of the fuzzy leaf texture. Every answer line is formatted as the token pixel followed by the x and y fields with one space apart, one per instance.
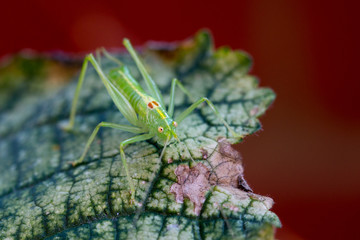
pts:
pixel 43 197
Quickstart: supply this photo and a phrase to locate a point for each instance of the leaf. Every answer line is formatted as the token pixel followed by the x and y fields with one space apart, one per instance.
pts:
pixel 42 196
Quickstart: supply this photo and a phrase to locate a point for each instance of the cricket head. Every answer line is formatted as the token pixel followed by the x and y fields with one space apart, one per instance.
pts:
pixel 166 130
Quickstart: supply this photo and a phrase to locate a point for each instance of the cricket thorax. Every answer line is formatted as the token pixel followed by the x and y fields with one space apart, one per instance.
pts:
pixel 152 104
pixel 162 125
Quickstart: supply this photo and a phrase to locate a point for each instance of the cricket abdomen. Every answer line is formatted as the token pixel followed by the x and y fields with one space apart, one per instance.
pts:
pixel 148 109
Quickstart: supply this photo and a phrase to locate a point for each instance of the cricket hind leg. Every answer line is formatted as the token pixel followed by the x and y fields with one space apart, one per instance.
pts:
pixel 107 55
pixel 70 125
pixel 138 138
pixel 151 85
pixel 96 130
pixel 120 101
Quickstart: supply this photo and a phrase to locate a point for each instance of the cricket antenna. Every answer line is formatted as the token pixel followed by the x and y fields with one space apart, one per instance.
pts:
pixel 178 139
pixel 163 151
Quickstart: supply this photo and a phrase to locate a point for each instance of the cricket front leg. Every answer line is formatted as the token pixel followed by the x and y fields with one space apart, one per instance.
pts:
pixel 190 109
pixel 175 82
pixel 138 138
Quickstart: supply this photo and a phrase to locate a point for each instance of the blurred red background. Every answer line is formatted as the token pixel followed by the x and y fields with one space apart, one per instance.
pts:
pixel 307 156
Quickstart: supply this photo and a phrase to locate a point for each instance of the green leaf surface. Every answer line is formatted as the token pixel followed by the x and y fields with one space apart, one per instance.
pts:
pixel 43 197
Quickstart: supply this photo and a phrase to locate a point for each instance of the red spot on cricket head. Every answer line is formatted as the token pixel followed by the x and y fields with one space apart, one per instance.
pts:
pixel 150 105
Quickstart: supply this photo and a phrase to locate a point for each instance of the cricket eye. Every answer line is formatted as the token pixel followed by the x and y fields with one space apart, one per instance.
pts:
pixel 174 124
pixel 160 129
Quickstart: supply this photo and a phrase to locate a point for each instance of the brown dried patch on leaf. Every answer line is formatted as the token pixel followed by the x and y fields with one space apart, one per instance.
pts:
pixel 225 170
pixel 192 183
pixel 205 153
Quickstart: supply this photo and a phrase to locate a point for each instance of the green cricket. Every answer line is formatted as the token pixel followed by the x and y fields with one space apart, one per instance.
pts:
pixel 145 112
